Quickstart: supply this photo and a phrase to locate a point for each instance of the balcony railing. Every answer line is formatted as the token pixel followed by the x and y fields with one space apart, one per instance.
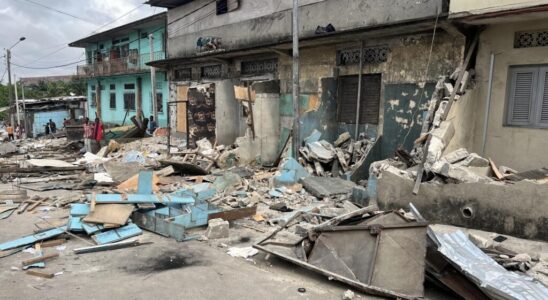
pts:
pixel 124 65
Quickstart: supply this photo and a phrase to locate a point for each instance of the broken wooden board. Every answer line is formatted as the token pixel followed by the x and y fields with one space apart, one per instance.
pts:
pixel 110 213
pixel 185 168
pixel 495 170
pixel 234 214
pixel 33 238
pixel 40 274
pixel 15 196
pixel 106 247
pixel 132 184
pixel 117 235
pixel 38 259
pixel 49 163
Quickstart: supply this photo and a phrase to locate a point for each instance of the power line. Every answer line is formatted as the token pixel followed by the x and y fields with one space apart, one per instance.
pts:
pixel 45 68
pixel 59 11
pixel 106 24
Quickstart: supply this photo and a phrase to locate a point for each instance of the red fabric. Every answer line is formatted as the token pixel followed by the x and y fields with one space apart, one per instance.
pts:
pixel 99 131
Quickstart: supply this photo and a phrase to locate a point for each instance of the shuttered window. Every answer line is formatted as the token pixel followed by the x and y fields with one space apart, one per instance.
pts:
pixel 369 101
pixel 528 99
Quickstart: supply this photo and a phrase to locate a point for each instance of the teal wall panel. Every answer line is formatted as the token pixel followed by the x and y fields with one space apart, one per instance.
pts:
pixel 403 107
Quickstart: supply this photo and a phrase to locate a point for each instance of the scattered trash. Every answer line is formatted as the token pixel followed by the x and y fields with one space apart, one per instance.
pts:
pixel 245 252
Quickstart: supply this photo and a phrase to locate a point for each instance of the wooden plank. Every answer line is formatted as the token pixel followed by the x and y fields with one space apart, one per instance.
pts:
pixel 53 243
pixel 36 204
pixel 23 207
pixel 40 274
pixel 234 214
pixel 110 213
pixel 106 247
pixel 242 93
pixel 38 259
pixel 495 170
pixel 181 117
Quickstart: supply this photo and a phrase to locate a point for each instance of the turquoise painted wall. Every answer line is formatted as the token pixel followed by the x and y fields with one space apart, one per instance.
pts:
pixel 116 116
pixel 141 44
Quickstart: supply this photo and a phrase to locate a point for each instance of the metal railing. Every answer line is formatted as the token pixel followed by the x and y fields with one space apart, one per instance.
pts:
pixel 124 65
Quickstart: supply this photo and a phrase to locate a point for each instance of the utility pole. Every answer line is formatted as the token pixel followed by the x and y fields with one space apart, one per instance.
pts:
pixel 153 79
pixel 10 97
pixel 296 87
pixel 17 102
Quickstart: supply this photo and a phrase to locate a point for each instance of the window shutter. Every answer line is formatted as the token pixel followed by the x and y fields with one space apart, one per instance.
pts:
pixel 543 101
pixel 523 81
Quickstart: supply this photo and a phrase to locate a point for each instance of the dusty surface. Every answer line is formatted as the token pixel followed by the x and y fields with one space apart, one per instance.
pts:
pixel 164 269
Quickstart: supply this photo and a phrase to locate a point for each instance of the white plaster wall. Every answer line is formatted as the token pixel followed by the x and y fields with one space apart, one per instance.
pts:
pixel 516 147
pixel 464 7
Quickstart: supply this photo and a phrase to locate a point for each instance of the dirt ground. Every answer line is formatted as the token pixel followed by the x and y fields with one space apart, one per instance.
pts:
pixel 164 269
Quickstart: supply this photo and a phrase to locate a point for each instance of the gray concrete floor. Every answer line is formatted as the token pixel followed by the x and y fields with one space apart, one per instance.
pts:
pixel 164 270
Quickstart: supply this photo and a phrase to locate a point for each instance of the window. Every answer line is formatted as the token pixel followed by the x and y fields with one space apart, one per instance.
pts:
pixel 224 6
pixel 528 97
pixel 129 96
pixel 112 96
pixel 129 100
pixel 92 97
pixel 369 102
pixel 159 102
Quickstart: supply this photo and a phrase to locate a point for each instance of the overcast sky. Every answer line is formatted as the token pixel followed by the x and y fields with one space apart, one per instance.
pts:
pixel 47 31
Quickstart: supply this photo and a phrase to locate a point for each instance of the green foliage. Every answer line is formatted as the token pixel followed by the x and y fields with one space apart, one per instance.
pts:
pixel 56 88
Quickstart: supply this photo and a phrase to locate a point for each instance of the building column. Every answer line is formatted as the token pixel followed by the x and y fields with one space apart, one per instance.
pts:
pixel 139 99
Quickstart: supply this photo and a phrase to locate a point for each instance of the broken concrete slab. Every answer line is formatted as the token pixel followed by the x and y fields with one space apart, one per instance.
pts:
pixel 49 163
pixel 456 155
pixel 6 148
pixel 322 187
pixel 217 229
pixel 290 173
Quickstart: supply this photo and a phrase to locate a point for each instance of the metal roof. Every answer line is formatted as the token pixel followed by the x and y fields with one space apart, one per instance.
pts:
pixel 155 20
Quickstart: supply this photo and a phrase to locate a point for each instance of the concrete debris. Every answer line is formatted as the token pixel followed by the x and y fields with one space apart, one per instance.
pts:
pixel 217 229
pixel 343 157
pixel 348 295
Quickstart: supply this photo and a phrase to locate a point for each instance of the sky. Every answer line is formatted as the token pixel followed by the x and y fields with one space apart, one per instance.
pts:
pixel 49 32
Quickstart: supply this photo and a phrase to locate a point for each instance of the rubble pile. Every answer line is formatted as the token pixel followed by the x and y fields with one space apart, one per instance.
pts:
pixel 342 157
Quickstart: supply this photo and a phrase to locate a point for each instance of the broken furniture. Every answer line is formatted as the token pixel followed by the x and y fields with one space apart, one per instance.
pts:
pixel 380 253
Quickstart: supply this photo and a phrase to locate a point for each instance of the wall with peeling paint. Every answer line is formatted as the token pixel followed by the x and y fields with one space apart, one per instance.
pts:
pixel 403 115
pixel 402 76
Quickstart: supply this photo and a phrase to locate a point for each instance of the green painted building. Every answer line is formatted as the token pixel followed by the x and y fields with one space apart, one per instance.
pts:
pixel 118 79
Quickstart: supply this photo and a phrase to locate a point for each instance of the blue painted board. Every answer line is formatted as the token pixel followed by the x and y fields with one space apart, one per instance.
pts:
pixel 144 184
pixel 117 235
pixel 139 198
pixel 79 209
pixel 75 224
pixel 92 228
pixel 33 238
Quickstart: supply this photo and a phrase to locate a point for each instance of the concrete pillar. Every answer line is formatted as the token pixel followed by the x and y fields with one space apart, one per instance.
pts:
pixel 266 113
pixel 226 112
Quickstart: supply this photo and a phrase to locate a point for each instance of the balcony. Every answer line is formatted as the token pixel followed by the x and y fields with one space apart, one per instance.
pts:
pixel 119 66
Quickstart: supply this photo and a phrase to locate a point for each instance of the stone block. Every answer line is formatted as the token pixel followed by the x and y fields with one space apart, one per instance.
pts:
pixel 217 229
pixel 474 160
pixel 456 155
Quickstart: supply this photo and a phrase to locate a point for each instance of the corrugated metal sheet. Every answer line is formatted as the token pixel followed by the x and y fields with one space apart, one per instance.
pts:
pixel 493 279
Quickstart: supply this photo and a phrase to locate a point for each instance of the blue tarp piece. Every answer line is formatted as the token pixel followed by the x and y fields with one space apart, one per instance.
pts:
pixel 275 193
pixel 132 156
pixel 313 137
pixel 31 239
pixel 117 235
